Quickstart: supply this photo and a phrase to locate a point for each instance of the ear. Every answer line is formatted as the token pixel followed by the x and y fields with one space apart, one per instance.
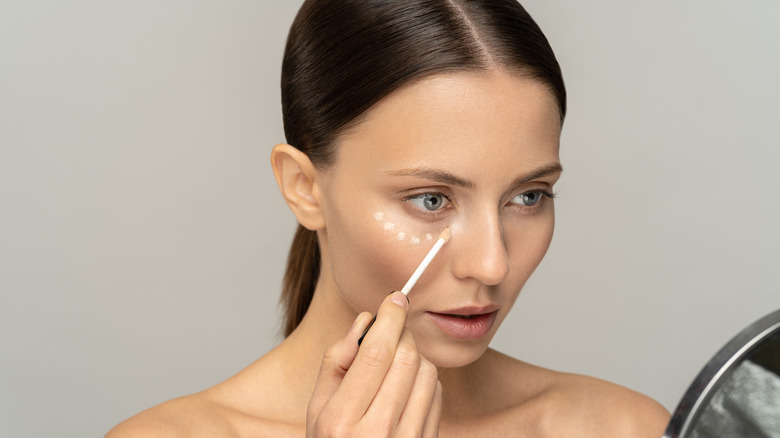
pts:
pixel 297 179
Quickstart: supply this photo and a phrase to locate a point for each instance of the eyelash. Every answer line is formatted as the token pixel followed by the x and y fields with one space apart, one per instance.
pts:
pixel 532 208
pixel 428 214
pixel 435 214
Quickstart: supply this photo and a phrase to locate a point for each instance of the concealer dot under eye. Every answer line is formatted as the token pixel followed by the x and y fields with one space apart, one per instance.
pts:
pixel 400 234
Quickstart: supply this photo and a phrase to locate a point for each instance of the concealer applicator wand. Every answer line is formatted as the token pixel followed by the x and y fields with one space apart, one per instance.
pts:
pixel 443 238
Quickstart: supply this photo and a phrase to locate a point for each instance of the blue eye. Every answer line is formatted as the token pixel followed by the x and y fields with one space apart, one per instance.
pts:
pixel 529 199
pixel 429 201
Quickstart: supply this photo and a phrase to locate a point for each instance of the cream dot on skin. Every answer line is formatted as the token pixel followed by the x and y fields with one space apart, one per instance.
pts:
pixel 400 233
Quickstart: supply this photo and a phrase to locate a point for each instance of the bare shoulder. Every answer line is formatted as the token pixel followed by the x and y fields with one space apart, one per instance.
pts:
pixel 580 403
pixel 254 402
pixel 547 403
pixel 610 409
pixel 227 410
pixel 189 416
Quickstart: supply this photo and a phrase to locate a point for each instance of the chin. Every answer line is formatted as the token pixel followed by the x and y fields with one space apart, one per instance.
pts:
pixel 453 355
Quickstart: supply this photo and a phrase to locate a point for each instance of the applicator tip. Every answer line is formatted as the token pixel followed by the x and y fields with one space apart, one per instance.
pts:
pixel 445 235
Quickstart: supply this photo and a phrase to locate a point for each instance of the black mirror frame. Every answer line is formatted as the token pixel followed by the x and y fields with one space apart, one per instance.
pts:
pixel 717 371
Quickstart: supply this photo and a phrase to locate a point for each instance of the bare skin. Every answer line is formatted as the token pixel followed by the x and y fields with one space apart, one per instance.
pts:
pixel 515 399
pixel 484 147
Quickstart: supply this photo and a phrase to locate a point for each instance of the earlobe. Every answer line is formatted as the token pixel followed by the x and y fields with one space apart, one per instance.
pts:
pixel 297 179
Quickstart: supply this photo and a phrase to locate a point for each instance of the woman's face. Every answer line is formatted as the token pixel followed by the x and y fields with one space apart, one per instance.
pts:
pixel 475 152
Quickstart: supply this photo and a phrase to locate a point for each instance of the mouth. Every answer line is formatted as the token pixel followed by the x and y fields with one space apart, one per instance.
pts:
pixel 461 316
pixel 465 324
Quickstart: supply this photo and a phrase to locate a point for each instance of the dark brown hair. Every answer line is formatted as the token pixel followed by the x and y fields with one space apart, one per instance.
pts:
pixel 343 56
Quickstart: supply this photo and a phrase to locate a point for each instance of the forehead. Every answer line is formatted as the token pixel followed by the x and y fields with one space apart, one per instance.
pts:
pixel 490 119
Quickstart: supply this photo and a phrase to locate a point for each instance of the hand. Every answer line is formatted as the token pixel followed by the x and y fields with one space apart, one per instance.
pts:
pixel 385 388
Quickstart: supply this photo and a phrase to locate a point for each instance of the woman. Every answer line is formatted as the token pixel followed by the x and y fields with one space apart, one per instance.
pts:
pixel 404 118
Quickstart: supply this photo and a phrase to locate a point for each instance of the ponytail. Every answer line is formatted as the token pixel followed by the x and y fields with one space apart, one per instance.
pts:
pixel 300 277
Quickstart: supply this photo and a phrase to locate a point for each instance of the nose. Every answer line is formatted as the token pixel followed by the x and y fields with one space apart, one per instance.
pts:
pixel 482 251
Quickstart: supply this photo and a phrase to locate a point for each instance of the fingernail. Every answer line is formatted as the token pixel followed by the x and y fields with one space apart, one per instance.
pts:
pixel 354 324
pixel 400 299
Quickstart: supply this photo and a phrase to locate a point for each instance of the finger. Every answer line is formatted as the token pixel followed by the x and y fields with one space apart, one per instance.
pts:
pixel 397 300
pixel 393 395
pixel 418 407
pixel 335 363
pixel 365 375
pixel 434 415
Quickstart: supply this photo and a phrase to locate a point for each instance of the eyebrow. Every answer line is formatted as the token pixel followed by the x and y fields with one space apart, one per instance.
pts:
pixel 540 172
pixel 435 175
pixel 443 177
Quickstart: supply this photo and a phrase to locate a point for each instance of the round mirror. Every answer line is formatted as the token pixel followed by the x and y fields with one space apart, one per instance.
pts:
pixel 737 394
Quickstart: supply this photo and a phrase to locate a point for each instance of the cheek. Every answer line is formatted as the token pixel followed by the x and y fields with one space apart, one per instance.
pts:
pixel 527 244
pixel 373 253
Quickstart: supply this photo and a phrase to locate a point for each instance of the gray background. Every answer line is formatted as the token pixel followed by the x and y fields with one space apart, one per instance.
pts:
pixel 142 239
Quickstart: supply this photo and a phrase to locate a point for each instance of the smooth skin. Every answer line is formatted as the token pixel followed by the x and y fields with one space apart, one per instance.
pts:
pixel 485 144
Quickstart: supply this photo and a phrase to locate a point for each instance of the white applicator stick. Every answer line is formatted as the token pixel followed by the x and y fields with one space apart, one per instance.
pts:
pixel 443 238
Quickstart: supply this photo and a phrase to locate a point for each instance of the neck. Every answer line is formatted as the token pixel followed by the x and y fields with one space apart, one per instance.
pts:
pixel 327 321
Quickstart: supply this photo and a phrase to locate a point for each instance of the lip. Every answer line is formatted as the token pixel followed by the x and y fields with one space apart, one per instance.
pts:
pixel 453 322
